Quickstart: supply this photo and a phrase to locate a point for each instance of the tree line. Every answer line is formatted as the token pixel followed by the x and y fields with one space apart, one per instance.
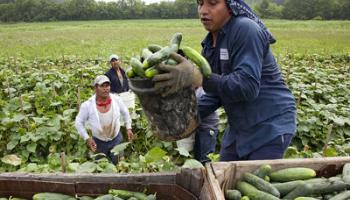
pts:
pixel 60 10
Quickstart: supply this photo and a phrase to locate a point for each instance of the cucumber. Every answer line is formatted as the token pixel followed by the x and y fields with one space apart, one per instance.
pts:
pixel 159 56
pixel 327 187
pixel 253 193
pixel 150 72
pixel 346 173
pixel 233 195
pixel 198 59
pixel 286 187
pixel 176 40
pixel 305 189
pixel 171 62
pixel 263 170
pixel 146 53
pixel 124 194
pixel 137 67
pixel 130 73
pixel 52 196
pixel 151 197
pixel 292 174
pixel 260 184
pixel 341 196
pixel 305 198
pixel 245 198
pixel 140 196
pixel 105 197
pixel 154 47
pixel 85 198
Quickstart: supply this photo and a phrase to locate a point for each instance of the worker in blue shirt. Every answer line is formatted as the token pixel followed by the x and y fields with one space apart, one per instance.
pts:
pixel 117 76
pixel 246 82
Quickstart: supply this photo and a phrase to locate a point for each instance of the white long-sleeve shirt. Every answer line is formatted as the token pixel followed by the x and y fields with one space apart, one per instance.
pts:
pixel 88 113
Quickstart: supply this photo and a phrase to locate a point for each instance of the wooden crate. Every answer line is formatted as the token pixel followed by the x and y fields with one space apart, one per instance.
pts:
pixel 184 185
pixel 224 175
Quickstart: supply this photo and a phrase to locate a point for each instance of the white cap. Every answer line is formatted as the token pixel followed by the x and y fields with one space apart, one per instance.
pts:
pixel 100 79
pixel 113 56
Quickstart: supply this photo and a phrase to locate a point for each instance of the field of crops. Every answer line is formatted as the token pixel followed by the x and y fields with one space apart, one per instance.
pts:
pixel 46 70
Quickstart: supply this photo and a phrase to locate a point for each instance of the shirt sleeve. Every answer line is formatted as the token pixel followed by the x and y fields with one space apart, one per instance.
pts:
pixel 124 112
pixel 80 121
pixel 246 52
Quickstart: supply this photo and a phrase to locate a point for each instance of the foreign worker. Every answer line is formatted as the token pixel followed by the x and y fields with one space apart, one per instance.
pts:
pixel 246 81
pixel 103 112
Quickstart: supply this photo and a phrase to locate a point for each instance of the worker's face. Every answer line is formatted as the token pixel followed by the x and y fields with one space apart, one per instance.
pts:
pixel 102 91
pixel 213 14
pixel 115 63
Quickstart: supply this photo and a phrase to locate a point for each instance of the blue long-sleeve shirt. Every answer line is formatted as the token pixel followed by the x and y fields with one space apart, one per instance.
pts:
pixel 247 82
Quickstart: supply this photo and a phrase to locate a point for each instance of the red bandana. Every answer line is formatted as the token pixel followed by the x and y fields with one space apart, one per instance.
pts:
pixel 106 103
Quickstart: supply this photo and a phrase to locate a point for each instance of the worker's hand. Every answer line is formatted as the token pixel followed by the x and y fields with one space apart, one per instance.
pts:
pixel 130 134
pixel 176 77
pixel 91 144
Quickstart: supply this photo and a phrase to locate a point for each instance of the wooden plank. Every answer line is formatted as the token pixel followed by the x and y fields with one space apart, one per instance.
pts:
pixel 27 188
pixel 191 180
pixel 224 175
pixel 89 177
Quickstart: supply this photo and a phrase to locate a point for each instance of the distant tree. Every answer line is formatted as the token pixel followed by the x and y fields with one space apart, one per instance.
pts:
pixel 269 9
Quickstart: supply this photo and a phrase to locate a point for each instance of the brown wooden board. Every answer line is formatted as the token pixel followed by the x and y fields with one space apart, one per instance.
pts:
pixel 167 186
pixel 224 175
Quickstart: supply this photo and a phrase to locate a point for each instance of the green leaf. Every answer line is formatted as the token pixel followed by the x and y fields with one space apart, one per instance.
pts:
pixel 87 167
pixel 73 167
pixel 12 144
pixel 18 118
pixel 155 154
pixel 192 164
pixel 11 159
pixel 182 151
pixel 31 147
pixel 120 148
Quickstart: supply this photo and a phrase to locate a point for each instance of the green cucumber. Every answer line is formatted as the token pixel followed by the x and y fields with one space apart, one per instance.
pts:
pixel 286 187
pixel 146 53
pixel 176 39
pixel 171 61
pixel 130 73
pixel 292 174
pixel 304 189
pixel 328 187
pixel 260 184
pixel 346 173
pixel 254 194
pixel 124 194
pixel 151 197
pixel 137 67
pixel 233 195
pixel 198 59
pixel 305 198
pixel 150 72
pixel 105 197
pixel 140 196
pixel 154 47
pixel 85 198
pixel 263 170
pixel 341 196
pixel 245 198
pixel 159 56
pixel 52 196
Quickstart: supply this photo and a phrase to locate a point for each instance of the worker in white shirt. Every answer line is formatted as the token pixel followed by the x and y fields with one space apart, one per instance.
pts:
pixel 103 113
